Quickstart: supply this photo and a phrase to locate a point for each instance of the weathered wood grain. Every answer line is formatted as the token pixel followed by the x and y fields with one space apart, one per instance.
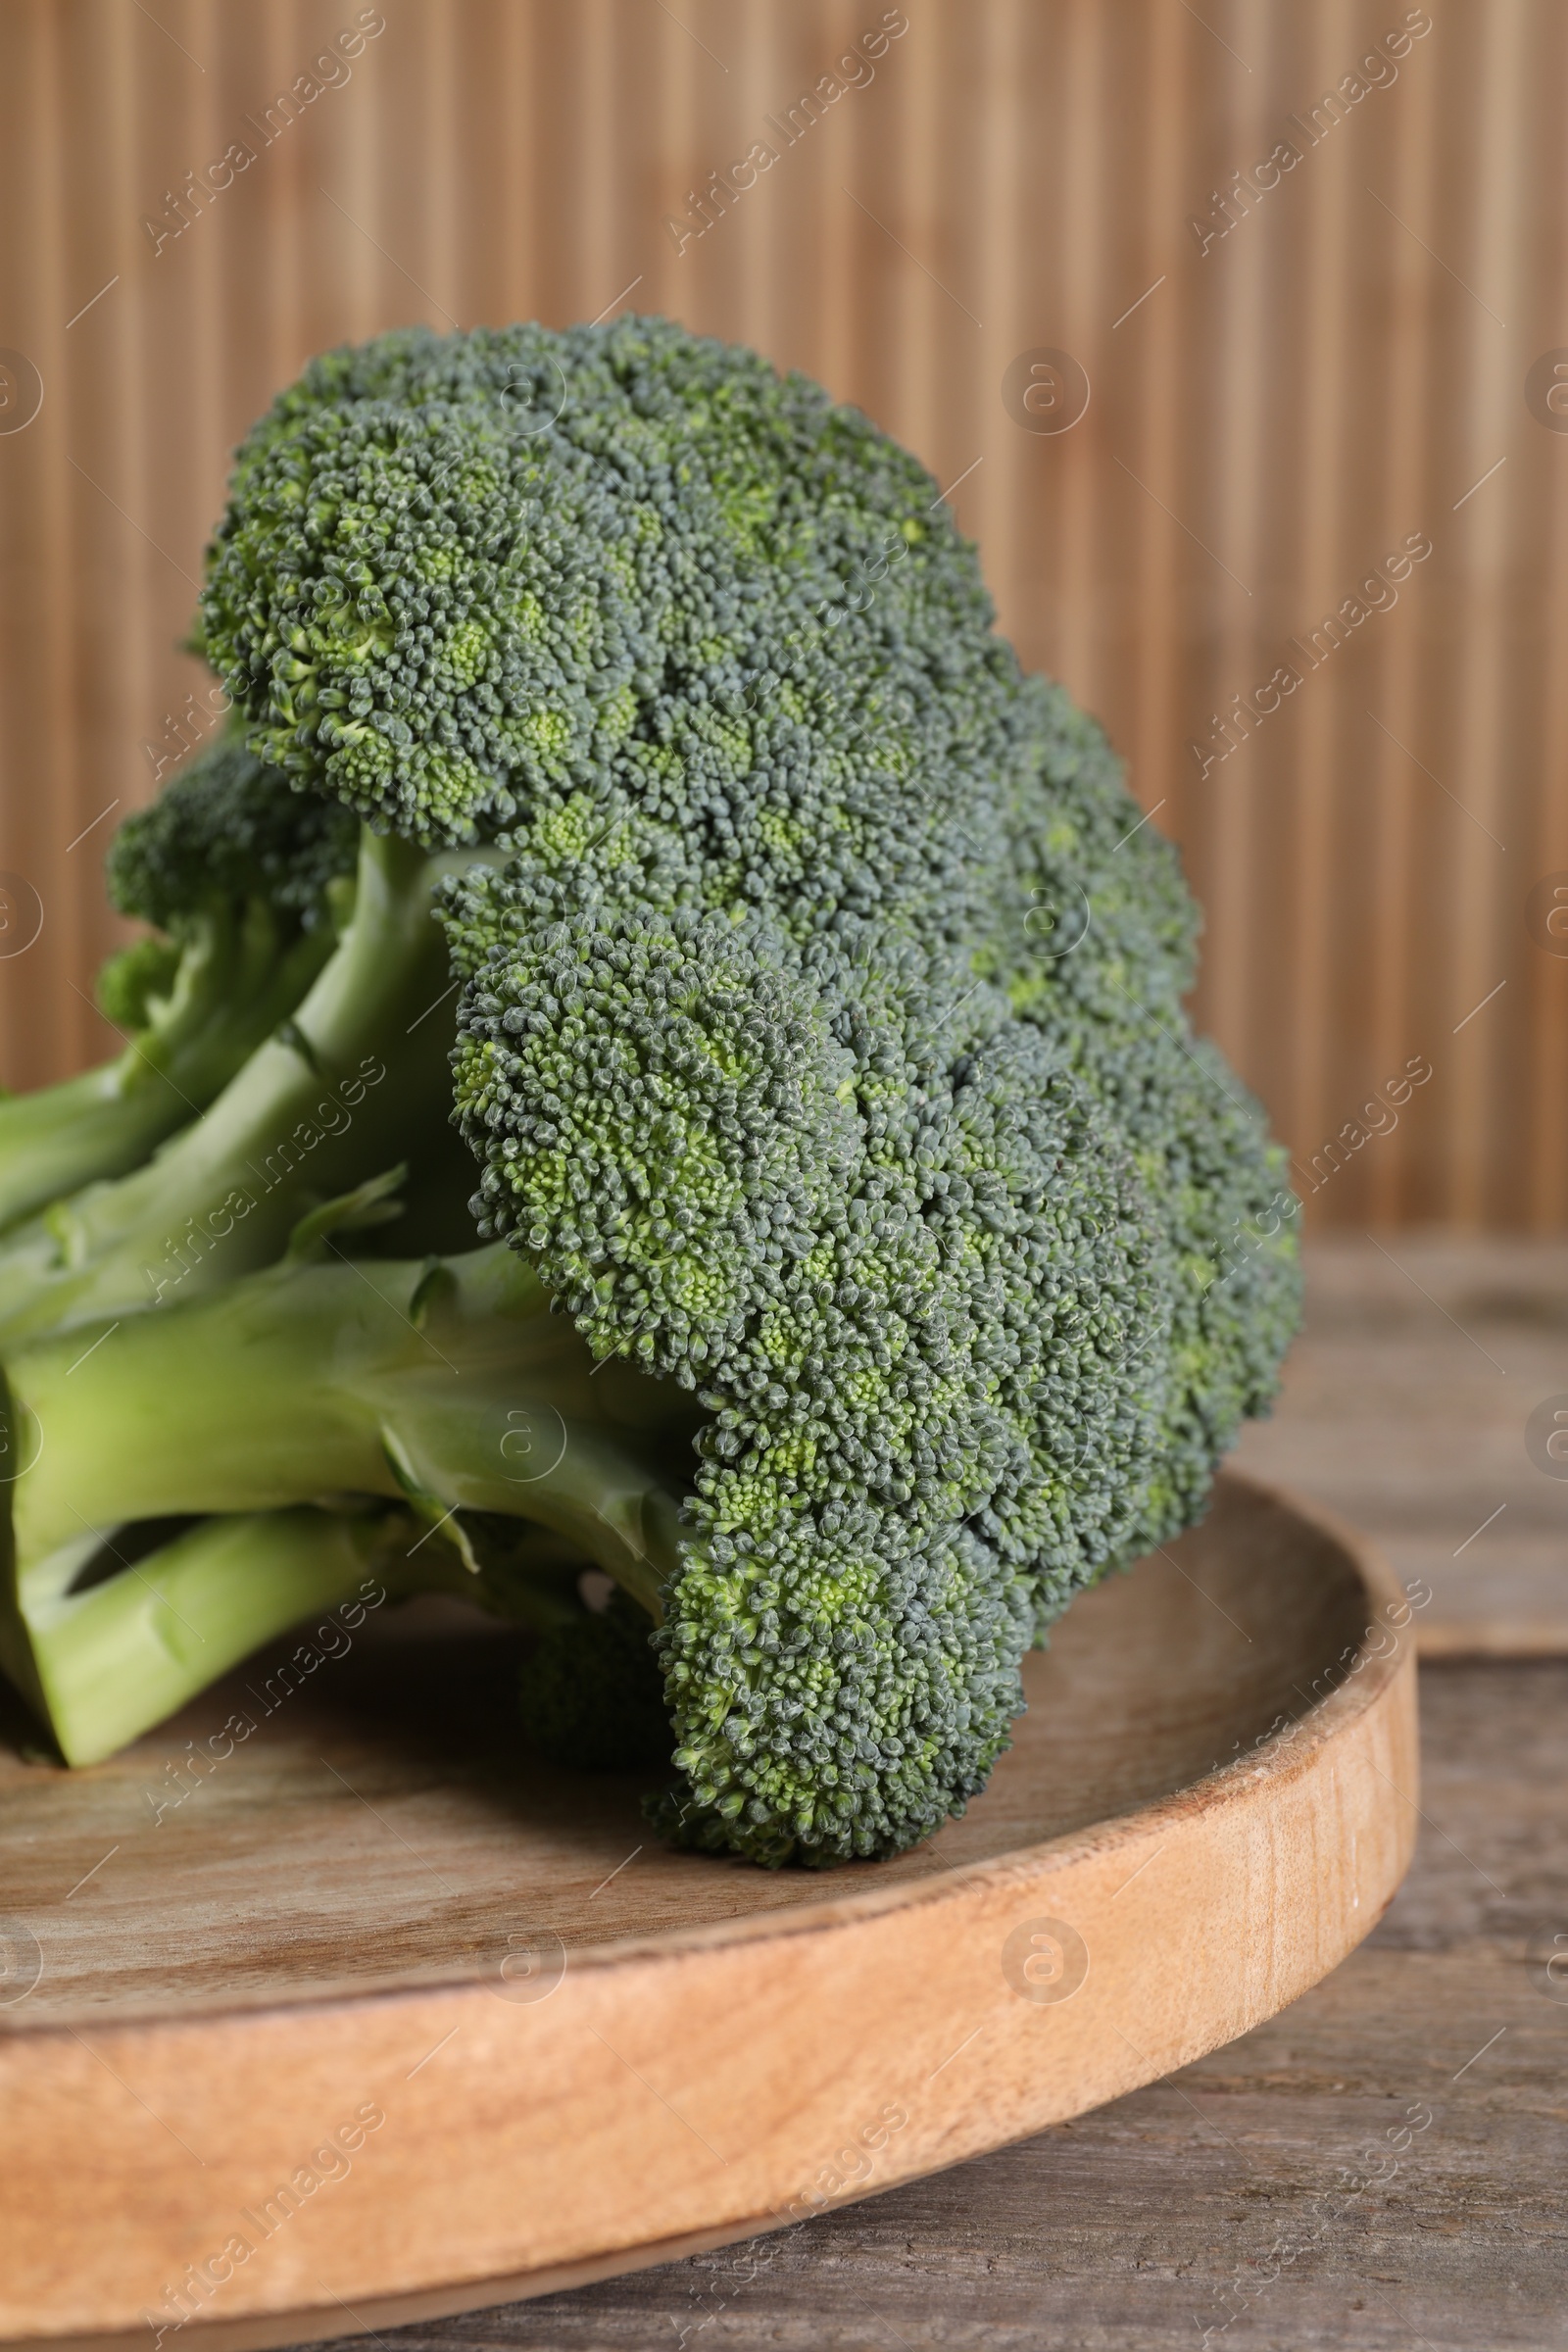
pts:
pixel 1405 1407
pixel 1163 2215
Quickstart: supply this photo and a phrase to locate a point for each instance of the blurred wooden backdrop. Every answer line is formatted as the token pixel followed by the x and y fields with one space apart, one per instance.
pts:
pixel 1273 412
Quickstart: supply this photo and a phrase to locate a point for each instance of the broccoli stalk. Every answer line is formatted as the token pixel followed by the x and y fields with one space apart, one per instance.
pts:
pixel 101 1662
pixel 358 1077
pixel 231 979
pixel 248 883
pixel 445 1385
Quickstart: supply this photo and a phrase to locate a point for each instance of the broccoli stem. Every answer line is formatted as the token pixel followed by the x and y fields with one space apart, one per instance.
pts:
pixel 356 1079
pixel 449 1385
pixel 241 972
pixel 102 1666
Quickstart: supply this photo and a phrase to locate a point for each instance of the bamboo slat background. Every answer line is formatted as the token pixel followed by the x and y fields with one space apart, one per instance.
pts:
pixel 1272 413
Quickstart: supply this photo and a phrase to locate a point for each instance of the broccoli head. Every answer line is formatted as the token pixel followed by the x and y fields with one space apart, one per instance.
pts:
pixel 783 693
pixel 874 1223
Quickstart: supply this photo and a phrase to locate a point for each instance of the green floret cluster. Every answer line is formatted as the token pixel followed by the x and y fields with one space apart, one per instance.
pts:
pixel 228 829
pixel 802 707
pixel 877 1226
pixel 808 990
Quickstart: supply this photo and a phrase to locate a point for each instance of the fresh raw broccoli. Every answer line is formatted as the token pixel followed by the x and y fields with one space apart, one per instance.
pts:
pixel 245 884
pixel 819 1039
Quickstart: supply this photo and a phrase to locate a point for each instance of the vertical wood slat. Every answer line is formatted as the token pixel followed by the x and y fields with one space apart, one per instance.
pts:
pixel 1391 779
pixel 1541 1150
pixel 1277 413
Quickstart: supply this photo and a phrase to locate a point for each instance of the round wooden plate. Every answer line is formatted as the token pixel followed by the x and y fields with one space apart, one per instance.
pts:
pixel 354 2016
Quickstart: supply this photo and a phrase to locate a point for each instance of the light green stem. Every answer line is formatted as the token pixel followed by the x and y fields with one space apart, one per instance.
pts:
pixel 445 1388
pixel 102 1666
pixel 335 1097
pixel 237 980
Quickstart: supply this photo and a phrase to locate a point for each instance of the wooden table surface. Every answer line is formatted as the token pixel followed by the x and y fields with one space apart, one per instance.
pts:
pixel 1384 2165
pixel 1407 1408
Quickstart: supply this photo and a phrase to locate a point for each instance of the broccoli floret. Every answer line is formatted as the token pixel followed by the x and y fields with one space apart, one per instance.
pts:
pixel 592 1695
pixel 134 981
pixel 224 830
pixel 685 618
pixel 1094 943
pixel 240 877
pixel 874 1223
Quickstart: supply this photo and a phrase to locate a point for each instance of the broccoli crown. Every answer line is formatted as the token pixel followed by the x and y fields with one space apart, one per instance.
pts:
pixel 627 592
pixel 645 607
pixel 875 1222
pixel 225 828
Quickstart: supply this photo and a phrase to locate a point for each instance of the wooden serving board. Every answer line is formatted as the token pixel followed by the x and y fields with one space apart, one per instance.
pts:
pixel 381 2019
